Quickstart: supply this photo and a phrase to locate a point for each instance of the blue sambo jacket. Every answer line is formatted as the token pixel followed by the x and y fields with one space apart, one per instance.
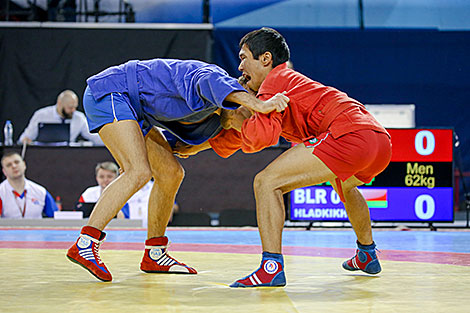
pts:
pixel 164 92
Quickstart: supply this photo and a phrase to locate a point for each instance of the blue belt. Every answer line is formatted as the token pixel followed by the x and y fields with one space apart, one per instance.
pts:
pixel 133 89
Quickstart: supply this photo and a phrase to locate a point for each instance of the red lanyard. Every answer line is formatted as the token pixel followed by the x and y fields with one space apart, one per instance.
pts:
pixel 17 195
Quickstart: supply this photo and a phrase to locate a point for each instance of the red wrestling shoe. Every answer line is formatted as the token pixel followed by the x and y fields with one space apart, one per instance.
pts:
pixel 85 252
pixel 157 260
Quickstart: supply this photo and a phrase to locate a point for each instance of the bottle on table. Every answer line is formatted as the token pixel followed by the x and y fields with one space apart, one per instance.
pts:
pixel 8 133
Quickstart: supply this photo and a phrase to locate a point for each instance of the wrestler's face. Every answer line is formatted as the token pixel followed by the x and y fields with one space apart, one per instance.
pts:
pixel 105 177
pixel 254 71
pixel 13 166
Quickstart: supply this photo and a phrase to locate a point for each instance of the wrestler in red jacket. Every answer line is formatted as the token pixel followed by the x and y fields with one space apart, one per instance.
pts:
pixel 338 141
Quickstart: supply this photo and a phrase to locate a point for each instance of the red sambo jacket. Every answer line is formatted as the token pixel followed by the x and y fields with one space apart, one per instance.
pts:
pixel 312 110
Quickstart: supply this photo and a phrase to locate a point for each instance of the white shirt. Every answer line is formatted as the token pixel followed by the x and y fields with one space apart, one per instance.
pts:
pixel 49 114
pixel 91 194
pixel 32 203
pixel 139 202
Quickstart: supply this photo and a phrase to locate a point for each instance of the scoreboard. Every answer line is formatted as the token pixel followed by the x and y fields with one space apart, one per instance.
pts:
pixel 416 186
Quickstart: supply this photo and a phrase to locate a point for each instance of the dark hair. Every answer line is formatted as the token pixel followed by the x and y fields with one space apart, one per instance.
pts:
pixel 9 154
pixel 267 39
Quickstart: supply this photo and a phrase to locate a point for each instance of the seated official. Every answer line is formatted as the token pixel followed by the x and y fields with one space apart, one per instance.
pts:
pixel 105 173
pixel 64 111
pixel 21 197
pixel 139 202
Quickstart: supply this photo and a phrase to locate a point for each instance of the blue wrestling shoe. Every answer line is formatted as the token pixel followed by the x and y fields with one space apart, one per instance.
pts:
pixel 365 260
pixel 269 274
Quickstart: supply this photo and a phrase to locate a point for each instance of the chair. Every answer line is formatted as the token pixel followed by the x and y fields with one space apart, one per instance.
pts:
pixel 190 219
pixel 237 217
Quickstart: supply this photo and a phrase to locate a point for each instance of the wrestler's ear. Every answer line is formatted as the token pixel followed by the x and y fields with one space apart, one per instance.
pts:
pixel 266 58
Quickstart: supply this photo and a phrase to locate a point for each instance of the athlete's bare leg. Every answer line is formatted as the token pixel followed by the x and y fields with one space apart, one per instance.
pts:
pixel 125 142
pixel 357 209
pixel 168 175
pixel 297 167
pixel 356 206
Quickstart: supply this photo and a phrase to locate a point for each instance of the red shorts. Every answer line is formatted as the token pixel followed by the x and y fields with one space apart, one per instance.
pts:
pixel 363 153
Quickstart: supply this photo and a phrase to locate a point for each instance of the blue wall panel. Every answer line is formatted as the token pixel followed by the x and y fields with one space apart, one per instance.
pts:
pixel 437 14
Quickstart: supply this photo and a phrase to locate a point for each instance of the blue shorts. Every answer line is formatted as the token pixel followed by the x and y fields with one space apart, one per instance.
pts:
pixel 115 106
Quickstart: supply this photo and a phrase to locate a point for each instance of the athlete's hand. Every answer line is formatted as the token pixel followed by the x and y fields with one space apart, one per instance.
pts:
pixel 183 150
pixel 278 103
pixel 27 140
pixel 239 116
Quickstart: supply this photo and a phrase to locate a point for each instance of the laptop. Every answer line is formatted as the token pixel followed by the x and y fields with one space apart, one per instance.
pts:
pixel 53 132
pixel 85 207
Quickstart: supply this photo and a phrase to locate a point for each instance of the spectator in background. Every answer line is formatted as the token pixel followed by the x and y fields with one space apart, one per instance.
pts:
pixel 136 206
pixel 61 10
pixel 105 173
pixel 138 203
pixel 20 197
pixel 64 111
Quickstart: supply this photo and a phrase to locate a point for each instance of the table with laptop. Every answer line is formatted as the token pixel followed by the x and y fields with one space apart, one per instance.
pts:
pixel 53 134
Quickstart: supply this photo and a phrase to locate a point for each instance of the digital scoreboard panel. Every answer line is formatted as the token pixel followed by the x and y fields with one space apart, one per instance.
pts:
pixel 416 186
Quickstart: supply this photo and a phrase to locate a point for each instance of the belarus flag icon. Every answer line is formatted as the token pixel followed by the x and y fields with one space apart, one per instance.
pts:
pixel 376 198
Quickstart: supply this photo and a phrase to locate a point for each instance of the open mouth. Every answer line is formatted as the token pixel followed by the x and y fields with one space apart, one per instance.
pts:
pixel 244 79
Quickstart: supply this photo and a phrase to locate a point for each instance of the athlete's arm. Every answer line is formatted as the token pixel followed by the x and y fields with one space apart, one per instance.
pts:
pixel 183 151
pixel 234 118
pixel 277 103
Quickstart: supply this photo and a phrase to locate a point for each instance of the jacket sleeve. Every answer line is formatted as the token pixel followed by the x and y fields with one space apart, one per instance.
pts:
pixel 214 85
pixel 226 143
pixel 49 205
pixel 261 131
pixel 125 210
